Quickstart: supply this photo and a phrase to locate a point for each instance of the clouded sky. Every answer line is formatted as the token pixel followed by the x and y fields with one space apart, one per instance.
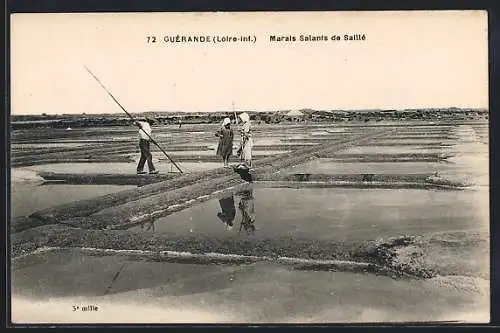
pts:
pixel 408 60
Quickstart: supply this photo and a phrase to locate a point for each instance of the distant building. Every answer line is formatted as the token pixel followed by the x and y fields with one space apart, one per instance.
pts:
pixel 295 115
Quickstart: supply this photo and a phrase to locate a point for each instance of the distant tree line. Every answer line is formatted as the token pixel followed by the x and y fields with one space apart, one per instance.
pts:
pixel 79 121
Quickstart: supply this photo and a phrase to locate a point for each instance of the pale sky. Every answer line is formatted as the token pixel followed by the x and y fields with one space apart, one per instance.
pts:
pixel 408 60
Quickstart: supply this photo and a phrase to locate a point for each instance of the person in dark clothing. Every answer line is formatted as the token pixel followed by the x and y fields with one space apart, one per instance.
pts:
pixel 145 146
pixel 225 146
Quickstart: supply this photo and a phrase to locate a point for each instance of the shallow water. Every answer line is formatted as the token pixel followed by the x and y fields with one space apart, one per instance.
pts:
pixel 403 141
pixel 117 168
pixel 134 291
pixel 390 150
pixel 29 197
pixel 320 133
pixel 28 146
pixel 458 169
pixel 330 166
pixel 126 168
pixel 269 141
pixel 475 148
pixel 212 153
pixel 333 214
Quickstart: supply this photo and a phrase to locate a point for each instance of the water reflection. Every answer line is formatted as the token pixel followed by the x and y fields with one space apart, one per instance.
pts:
pixel 235 209
pixel 228 211
pixel 148 226
pixel 246 207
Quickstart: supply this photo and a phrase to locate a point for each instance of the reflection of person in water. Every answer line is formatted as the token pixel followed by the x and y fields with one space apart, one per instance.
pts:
pixel 148 226
pixel 228 211
pixel 247 210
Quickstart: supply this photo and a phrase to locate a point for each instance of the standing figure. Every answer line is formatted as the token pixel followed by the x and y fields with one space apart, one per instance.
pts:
pixel 246 143
pixel 145 146
pixel 180 123
pixel 226 136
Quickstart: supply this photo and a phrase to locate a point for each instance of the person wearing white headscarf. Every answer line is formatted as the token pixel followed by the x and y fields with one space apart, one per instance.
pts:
pixel 226 136
pixel 246 144
pixel 145 146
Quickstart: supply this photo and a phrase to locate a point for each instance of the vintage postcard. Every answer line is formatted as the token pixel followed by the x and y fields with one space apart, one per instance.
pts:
pixel 270 167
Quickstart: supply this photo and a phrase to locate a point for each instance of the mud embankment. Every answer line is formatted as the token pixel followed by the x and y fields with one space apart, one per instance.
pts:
pixel 328 179
pixel 83 159
pixel 105 179
pixel 400 257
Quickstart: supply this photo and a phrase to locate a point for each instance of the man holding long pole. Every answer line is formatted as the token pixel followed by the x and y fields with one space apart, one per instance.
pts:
pixel 132 118
pixel 145 146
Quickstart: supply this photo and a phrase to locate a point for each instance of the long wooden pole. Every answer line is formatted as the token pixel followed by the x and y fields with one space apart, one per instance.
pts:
pixel 131 117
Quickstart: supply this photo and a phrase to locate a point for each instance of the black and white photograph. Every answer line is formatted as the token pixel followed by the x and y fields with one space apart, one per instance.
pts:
pixel 249 167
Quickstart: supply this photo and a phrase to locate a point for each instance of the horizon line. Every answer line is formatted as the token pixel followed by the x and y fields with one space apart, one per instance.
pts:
pixel 257 111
